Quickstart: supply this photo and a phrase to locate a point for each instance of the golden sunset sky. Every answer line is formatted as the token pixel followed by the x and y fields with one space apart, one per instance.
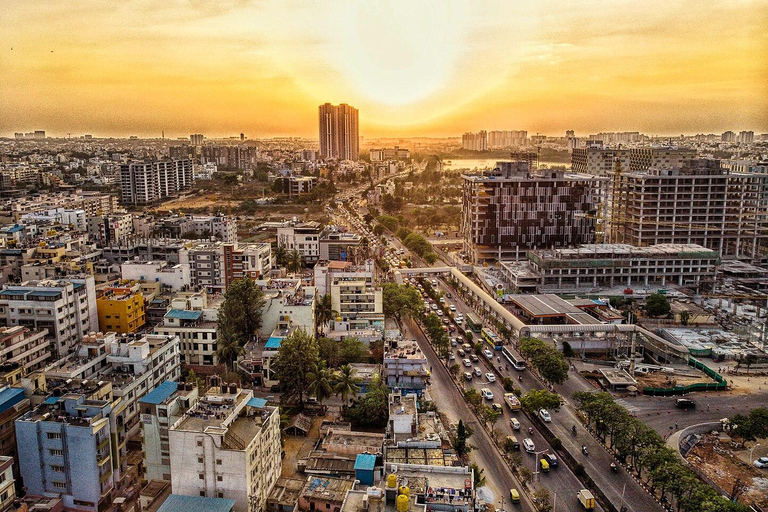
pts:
pixel 412 67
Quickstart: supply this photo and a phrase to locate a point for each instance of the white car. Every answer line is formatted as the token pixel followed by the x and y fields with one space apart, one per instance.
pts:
pixel 467 376
pixel 528 445
pixel 488 354
pixel 544 415
pixel 514 423
pixel 467 363
pixel 491 377
pixel 487 393
pixel 451 356
pixel 762 462
pixel 452 307
pixel 478 372
pixel 439 312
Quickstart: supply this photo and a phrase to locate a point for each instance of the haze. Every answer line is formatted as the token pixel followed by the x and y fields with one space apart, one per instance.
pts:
pixel 411 67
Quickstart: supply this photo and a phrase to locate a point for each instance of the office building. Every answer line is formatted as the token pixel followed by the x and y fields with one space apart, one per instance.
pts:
pixel 121 308
pixel 150 181
pixel 599 161
pixel 227 446
pixel 699 203
pixel 511 210
pixel 159 409
pixel 339 132
pixel 65 307
pixel 338 246
pixel 65 450
pixel 641 159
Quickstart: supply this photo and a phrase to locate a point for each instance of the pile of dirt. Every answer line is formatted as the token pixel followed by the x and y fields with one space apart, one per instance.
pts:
pixel 666 380
pixel 719 463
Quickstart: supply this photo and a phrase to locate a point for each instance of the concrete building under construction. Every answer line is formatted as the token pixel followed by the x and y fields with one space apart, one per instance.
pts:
pixel 515 208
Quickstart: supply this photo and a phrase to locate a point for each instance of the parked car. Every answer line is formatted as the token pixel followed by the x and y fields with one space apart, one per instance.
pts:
pixel 762 462
pixel 685 403
pixel 544 415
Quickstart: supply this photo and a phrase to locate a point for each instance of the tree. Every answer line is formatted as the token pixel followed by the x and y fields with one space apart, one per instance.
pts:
pixel 295 261
pixel 567 349
pixel 352 350
pixel 324 312
pixel 685 316
pixel 473 399
pixel 320 382
pixel 463 433
pixel 346 382
pixel 401 301
pixel 537 399
pixel 525 475
pixel 296 358
pixel 454 370
pixel 329 351
pixel 657 305
pixel 489 415
pixel 542 500
pixel 549 362
pixel 371 410
pixel 240 314
pixel 228 348
pixel 477 471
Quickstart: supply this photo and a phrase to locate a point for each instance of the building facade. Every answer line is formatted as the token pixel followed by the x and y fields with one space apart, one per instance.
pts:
pixel 599 161
pixel 339 132
pixel 147 182
pixel 641 159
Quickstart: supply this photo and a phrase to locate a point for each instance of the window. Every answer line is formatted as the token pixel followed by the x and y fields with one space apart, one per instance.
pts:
pixel 200 460
pixel 201 476
pixel 220 494
pixel 55 467
pixel 54 451
pixel 60 485
pixel 202 493
pixel 219 478
pixel 199 442
pixel 54 435
pixel 218 462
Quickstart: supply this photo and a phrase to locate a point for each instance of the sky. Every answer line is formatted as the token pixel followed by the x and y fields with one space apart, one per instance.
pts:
pixel 412 67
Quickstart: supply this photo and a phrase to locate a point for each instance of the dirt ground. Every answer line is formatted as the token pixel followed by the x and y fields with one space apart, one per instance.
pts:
pixel 198 201
pixel 663 380
pixel 724 467
pixel 298 447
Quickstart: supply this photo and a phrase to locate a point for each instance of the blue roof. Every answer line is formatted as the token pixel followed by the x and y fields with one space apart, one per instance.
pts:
pixel 15 229
pixel 183 314
pixel 273 342
pixel 365 462
pixel 256 402
pixel 181 503
pixel 10 397
pixel 160 393
pixel 51 400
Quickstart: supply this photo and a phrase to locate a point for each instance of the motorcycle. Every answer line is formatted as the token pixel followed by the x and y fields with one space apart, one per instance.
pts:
pixel 614 467
pixel 520 378
pixel 573 429
pixel 584 449
pixel 530 430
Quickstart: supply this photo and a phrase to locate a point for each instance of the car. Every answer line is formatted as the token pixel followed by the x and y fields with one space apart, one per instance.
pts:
pixel 685 403
pixel 474 358
pixel 487 393
pixel 452 307
pixel 445 320
pixel 448 294
pixel 439 312
pixel 762 462
pixel 496 407
pixel 451 356
pixel 442 300
pixel 488 354
pixel 491 377
pixel 551 458
pixel 467 376
pixel 467 363
pixel 528 445
pixel 454 343
pixel 461 352
pixel 478 372
pixel 544 415
pixel 434 307
pixel 514 423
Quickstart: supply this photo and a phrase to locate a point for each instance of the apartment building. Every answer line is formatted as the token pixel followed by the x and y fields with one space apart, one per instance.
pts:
pixel 288 304
pixel 386 154
pixel 193 317
pixel 121 308
pixel 159 409
pixel 303 237
pixel 339 132
pixel 405 367
pixel 149 181
pixel 227 446
pixel 296 185
pixel 641 159
pixel 65 450
pixel 511 210
pixel 65 307
pixel 337 246
pixel 111 228
pixel 215 265
pixel 174 277
pixel 599 161
pixel 221 227
pixel 25 347
pixel 700 203
pixel 475 141
pixel 7 481
pixel 13 404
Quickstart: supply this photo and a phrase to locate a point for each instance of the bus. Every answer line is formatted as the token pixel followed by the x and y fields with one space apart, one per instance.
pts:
pixel 517 362
pixel 491 338
pixel 473 323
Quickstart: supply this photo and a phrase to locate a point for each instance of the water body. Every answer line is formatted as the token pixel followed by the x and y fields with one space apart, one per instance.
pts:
pixel 485 163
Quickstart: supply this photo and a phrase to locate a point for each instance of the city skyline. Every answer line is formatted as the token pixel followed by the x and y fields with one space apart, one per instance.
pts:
pixel 412 70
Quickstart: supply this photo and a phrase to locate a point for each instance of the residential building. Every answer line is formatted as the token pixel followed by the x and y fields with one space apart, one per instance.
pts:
pixel 303 237
pixel 7 488
pixel 215 265
pixel 230 156
pixel 699 203
pixel 65 307
pixel 175 277
pixel 149 181
pixel 599 161
pixel 110 228
pixel 67 451
pixel 405 366
pixel 288 304
pixel 324 493
pixel 25 347
pixel 501 139
pixel 475 141
pixel 296 185
pixel 121 308
pixel 511 210
pixel 613 265
pixel 227 446
pixel 219 227
pixel 385 154
pixel 13 404
pixel 746 137
pixel 728 136
pixel 339 132
pixel 159 409
pixel 642 159
pixel 193 317
pixel 339 246
pixel 196 139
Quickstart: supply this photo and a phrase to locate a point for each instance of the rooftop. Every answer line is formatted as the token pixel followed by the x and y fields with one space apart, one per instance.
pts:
pixel 160 394
pixel 617 377
pixel 326 489
pixel 181 503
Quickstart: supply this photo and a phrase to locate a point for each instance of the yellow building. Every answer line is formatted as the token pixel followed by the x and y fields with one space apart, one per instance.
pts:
pixel 121 309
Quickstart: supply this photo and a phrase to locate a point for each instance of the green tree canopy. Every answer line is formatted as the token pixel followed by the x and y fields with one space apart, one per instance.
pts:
pixel 657 305
pixel 537 399
pixel 371 410
pixel 296 359
pixel 240 314
pixel 401 301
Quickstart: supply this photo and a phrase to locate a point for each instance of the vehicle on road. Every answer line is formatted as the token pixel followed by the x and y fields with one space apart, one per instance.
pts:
pixel 473 323
pixel 514 496
pixel 439 312
pixel 762 462
pixel 452 356
pixel 586 499
pixel 454 343
pixel 517 362
pixel 685 403
pixel 544 415
pixel 474 358
pixel 467 363
pixel 552 459
pixel 487 393
pixel 491 377
pixel 461 352
pixel 467 376
pixel 491 338
pixel 488 354
pixel 528 445
pixel 514 442
pixel 478 372
pixel 512 402
pixel 514 423
pixel 452 307
pixel 496 407
pixel 544 465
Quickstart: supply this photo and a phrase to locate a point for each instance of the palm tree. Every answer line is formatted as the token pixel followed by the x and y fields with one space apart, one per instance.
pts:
pixel 295 261
pixel 324 312
pixel 320 382
pixel 280 254
pixel 228 350
pixel 346 382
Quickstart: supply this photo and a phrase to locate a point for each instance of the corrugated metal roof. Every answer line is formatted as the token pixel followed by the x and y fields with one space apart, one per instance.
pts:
pixel 182 314
pixel 257 402
pixel 181 503
pixel 365 462
pixel 10 397
pixel 160 393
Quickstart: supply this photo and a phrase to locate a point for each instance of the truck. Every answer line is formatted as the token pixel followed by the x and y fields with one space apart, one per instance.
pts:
pixel 586 499
pixel 512 401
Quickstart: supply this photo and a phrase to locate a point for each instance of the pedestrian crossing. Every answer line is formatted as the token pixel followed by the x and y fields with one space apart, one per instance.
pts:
pixel 631 408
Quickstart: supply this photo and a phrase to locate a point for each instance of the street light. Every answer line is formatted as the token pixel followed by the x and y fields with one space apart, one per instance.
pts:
pixel 537 463
pixel 750 452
